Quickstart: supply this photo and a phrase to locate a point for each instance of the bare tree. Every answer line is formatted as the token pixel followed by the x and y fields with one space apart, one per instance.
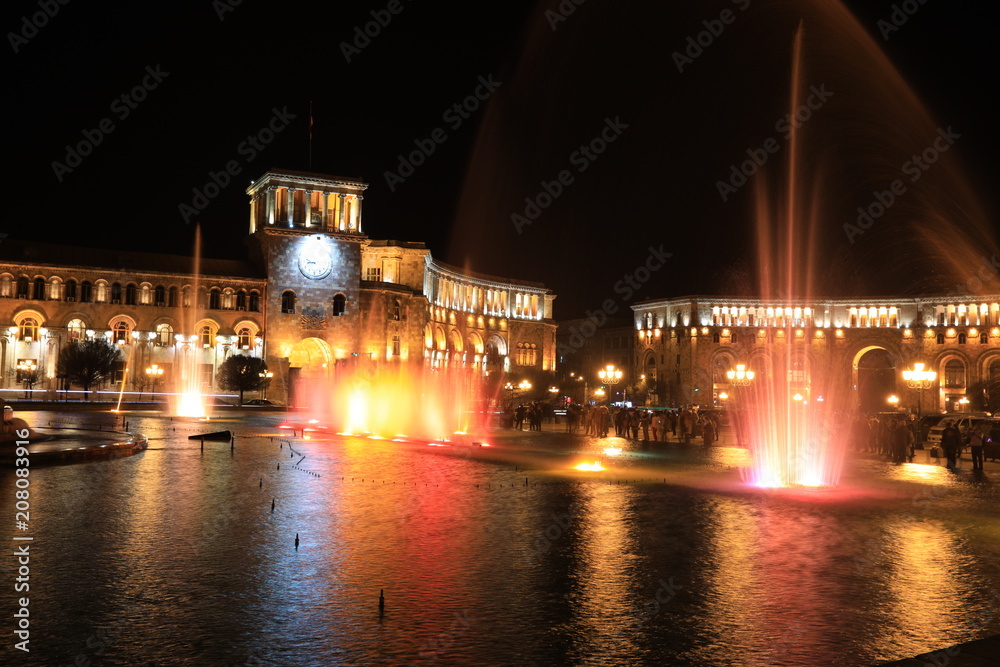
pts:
pixel 88 362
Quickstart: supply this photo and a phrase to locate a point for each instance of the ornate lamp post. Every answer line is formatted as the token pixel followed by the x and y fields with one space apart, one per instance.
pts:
pixel 919 379
pixel 26 369
pixel 610 375
pixel 265 379
pixel 740 376
pixel 154 373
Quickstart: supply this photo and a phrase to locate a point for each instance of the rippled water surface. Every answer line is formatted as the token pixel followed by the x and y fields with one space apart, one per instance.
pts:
pixel 174 557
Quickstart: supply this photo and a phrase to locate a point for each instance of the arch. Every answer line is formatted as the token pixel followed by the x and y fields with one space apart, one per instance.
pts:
pixel 440 342
pixel 428 336
pixel 455 342
pixel 874 375
pixel 339 304
pixel 288 302
pixel 76 330
pixel 38 289
pixel 475 343
pixel 311 355
pixel 116 292
pixel 130 294
pixel 160 295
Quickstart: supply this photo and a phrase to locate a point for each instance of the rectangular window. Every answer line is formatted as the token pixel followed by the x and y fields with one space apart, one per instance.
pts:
pixel 373 273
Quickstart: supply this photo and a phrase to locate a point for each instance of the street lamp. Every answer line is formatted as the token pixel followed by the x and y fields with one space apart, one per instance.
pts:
pixel 893 401
pixel 919 379
pixel 610 375
pixel 154 373
pixel 265 379
pixel 741 376
pixel 26 369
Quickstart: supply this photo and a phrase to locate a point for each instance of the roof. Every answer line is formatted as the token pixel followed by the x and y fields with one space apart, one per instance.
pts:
pixel 47 254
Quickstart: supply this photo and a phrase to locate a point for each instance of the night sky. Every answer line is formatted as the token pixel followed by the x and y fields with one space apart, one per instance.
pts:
pixel 216 74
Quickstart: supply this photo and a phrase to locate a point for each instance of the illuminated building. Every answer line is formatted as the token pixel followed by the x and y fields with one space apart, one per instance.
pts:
pixel 315 294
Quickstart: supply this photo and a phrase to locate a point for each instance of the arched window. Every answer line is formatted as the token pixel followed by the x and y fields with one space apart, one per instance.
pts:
pixel 288 301
pixel 86 292
pixel 984 338
pixel 120 332
pixel 254 302
pixel 961 339
pixel 159 295
pixel 164 335
pixel 116 292
pixel 28 329
pixel 38 293
pixel 75 330
pixel 396 310
pixel 205 336
pixel 130 294
pixel 245 338
pixel 339 304
pixel 22 287
pixel 241 300
pixel 71 290
pixel 954 374
pixel 172 296
pixel 214 302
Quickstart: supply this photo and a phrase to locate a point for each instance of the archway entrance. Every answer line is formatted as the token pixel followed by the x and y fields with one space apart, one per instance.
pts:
pixel 876 380
pixel 309 363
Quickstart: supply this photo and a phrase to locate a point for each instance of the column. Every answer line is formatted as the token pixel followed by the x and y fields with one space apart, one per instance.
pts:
pixel 269 205
pixel 340 218
pixel 308 212
pixel 322 209
pixel 254 212
pixel 357 214
pixel 290 207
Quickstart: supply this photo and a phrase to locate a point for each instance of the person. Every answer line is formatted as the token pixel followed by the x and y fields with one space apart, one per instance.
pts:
pixel 708 432
pixel 951 441
pixel 644 423
pixel 900 441
pixel 976 441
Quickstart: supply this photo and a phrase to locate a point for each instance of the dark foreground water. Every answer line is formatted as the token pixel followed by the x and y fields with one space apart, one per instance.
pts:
pixel 174 557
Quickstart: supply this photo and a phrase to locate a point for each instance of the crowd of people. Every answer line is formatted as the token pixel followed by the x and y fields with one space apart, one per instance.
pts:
pixel 683 425
pixel 892 437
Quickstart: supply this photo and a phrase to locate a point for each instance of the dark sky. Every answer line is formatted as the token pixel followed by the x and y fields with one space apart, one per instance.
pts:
pixel 607 65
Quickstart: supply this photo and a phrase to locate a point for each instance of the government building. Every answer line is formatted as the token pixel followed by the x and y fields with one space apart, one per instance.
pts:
pixel 685 348
pixel 315 296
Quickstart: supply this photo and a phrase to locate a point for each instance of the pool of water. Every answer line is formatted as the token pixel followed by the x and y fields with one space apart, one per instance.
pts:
pixel 175 557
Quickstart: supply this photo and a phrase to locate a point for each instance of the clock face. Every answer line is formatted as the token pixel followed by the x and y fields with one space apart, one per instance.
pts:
pixel 315 262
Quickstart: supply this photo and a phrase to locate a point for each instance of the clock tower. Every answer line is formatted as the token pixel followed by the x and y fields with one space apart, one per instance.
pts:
pixel 306 235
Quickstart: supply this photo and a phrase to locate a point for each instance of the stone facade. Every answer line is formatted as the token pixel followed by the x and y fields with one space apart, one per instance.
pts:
pixel 315 295
pixel 687 345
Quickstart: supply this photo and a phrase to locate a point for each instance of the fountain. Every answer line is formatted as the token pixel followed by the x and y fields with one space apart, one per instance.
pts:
pixel 188 400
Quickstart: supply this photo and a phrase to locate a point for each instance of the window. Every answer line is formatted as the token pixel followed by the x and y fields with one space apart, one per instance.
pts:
pixel 28 329
pixel 205 336
pixel 395 346
pixel 86 292
pixel 339 304
pixel 984 338
pixel 396 310
pixel 241 300
pixel 526 354
pixel 159 295
pixel 116 293
pixel 120 333
pixel 75 331
pixel 940 339
pixel 954 374
pixel 373 273
pixel 245 338
pixel 172 297
pixel 71 290
pixel 254 302
pixel 22 288
pixel 130 294
pixel 213 299
pixel 288 301
pixel 38 293
pixel 961 339
pixel 164 335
